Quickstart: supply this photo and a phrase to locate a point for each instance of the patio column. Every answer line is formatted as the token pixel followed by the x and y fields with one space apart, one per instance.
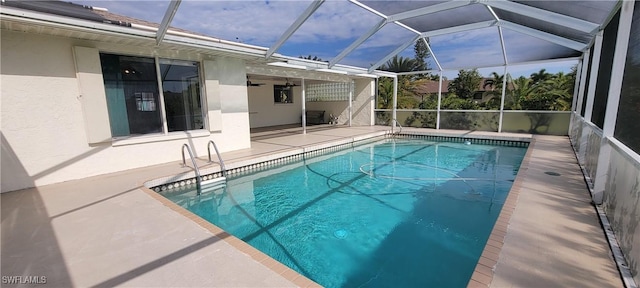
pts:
pixel 395 102
pixel 351 101
pixel 304 108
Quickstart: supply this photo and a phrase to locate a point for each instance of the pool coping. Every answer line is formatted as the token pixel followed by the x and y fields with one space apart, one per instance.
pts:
pixel 485 268
pixel 487 260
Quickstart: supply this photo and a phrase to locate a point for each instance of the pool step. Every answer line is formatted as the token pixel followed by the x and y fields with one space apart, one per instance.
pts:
pixel 211 185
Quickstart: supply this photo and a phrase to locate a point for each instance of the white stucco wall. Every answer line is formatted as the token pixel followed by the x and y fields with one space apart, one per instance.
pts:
pixel 362 105
pixel 43 130
pixel 264 112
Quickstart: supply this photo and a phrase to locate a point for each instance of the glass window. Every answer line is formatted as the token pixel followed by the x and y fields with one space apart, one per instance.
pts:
pixel 181 90
pixel 132 95
pixel 133 98
pixel 628 122
pixel 282 94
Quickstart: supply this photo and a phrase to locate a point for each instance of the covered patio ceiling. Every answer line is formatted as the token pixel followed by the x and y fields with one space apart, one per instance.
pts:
pixel 519 31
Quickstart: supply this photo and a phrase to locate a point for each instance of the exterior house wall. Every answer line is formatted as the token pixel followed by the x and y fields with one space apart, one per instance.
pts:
pixel 264 112
pixel 44 139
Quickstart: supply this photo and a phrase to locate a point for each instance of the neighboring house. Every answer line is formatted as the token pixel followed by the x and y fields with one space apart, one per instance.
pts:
pixel 87 92
pixel 485 91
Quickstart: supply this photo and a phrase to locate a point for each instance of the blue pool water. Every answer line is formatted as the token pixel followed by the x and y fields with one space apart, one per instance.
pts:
pixel 396 213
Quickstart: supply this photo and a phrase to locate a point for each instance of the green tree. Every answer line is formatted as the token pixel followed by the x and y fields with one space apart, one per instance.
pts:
pixel 399 64
pixel 559 91
pixel 540 76
pixel 385 93
pixel 519 90
pixel 453 102
pixel 493 88
pixel 406 97
pixel 466 84
pixel 406 86
pixel 554 93
pixel 421 54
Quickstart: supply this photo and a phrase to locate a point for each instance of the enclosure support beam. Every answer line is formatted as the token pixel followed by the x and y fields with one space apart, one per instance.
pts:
pixel 617 74
pixel 394 53
pixel 578 46
pixel 544 15
pixel 435 59
pixel 427 10
pixel 583 81
pixel 166 20
pixel 357 43
pixel 593 77
pixel 576 95
pixel 294 27
pixel 439 100
pixel 395 103
pixel 576 87
pixel 461 28
pixel 504 88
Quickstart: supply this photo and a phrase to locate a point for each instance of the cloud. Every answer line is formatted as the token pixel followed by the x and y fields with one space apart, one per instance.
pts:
pixel 480 47
pixel 334 26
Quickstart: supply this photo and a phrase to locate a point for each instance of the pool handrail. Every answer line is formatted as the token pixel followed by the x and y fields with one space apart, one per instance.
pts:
pixel 193 161
pixel 215 147
pixel 396 120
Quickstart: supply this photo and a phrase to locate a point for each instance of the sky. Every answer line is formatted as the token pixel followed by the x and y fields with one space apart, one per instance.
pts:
pixel 333 27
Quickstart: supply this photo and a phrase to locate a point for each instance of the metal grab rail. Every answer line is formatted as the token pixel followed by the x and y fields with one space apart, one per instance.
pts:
pixel 396 120
pixel 195 166
pixel 215 147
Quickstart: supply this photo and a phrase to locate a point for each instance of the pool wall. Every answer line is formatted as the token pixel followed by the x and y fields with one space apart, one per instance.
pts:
pixel 265 162
pixel 269 161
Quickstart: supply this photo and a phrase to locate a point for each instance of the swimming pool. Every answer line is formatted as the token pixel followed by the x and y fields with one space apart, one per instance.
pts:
pixel 391 213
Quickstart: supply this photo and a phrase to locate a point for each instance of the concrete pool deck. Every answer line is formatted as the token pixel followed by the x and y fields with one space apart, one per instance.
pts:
pixel 109 230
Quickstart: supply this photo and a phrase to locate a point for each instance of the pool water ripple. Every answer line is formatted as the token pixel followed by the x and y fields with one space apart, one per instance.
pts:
pixel 401 213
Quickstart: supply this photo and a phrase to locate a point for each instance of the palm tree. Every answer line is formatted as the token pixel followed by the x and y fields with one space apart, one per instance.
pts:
pixel 559 91
pixel 385 93
pixel 495 83
pixel 540 76
pixel 520 90
pixel 406 96
pixel 399 64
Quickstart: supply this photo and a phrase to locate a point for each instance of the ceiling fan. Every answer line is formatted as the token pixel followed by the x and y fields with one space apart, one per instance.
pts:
pixel 290 84
pixel 250 84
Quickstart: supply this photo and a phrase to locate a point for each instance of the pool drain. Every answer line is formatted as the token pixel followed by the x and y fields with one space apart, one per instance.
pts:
pixel 552 173
pixel 340 234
